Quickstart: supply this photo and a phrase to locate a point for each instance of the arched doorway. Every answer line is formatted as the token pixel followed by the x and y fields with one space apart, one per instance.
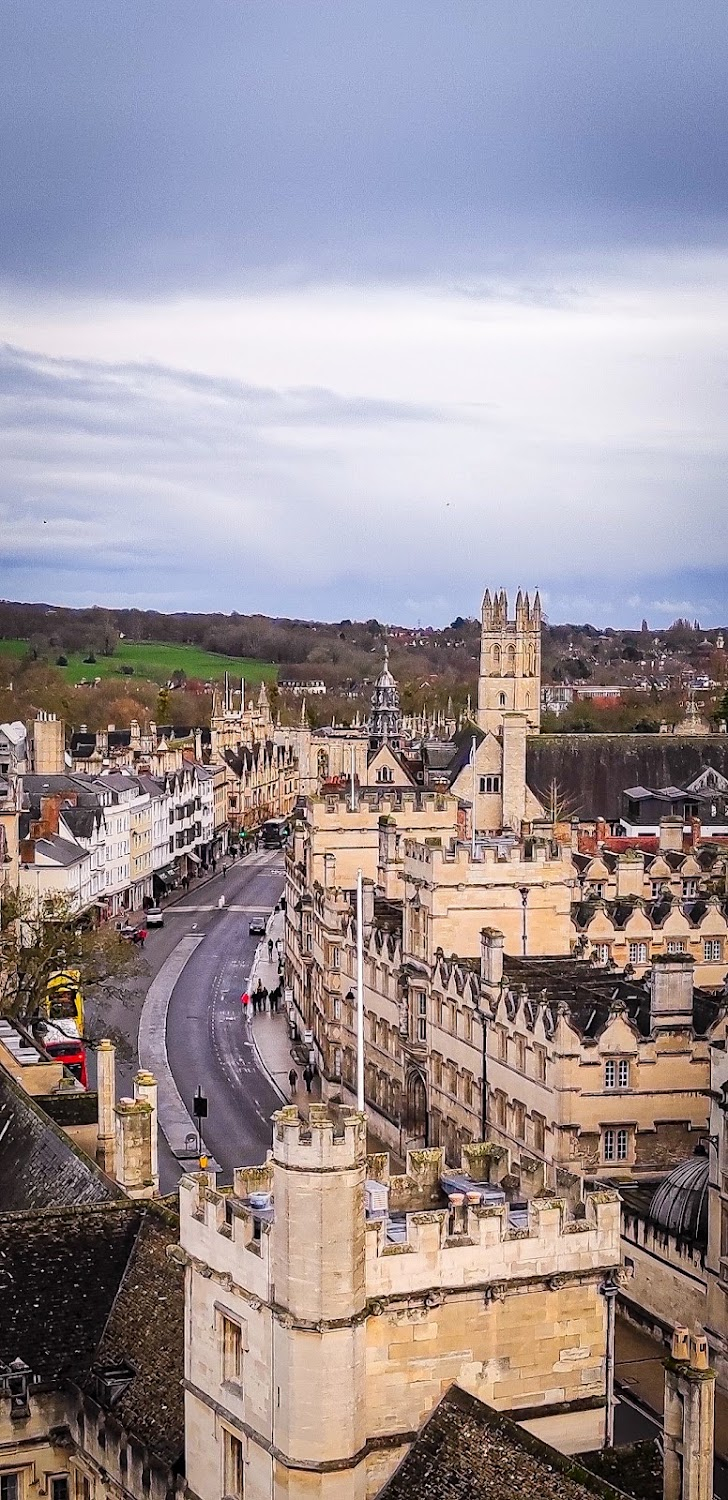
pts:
pixel 415 1114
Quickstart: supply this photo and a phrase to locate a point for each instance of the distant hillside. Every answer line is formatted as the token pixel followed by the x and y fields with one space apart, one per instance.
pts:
pixel 431 666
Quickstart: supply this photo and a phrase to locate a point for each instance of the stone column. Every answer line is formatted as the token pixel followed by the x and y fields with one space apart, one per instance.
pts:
pixel 145 1087
pixel 106 1094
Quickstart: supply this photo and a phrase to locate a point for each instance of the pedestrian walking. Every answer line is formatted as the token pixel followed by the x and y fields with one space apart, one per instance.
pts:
pixel 293 1080
pixel 270 950
pixel 245 1002
pixel 308 1077
pixel 224 871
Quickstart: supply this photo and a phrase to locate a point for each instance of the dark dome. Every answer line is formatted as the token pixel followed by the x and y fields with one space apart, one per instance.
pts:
pixel 680 1203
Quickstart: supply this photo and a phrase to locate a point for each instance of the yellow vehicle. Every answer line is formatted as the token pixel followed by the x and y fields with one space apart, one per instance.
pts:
pixel 64 1001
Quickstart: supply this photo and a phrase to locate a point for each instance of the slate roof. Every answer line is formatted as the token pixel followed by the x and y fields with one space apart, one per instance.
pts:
pixel 60 1271
pixel 593 770
pixel 146 1328
pixel 60 850
pixel 590 991
pixel 40 1166
pixel 82 1290
pixel 81 820
pixel 467 1451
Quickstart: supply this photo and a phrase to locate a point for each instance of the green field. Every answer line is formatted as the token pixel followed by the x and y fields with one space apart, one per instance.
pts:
pixel 154 661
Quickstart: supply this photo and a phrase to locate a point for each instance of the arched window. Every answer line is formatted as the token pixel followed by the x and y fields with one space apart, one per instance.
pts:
pixel 501 700
pixel 495 657
pixel 511 661
pixel 528 700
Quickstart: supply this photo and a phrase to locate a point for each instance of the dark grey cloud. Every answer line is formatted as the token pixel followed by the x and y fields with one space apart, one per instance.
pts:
pixel 149 147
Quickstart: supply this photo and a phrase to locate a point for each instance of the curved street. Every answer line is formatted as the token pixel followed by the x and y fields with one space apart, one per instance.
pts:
pixel 208 1043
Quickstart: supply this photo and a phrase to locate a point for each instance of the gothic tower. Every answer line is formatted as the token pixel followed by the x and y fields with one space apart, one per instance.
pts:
pixel 510 662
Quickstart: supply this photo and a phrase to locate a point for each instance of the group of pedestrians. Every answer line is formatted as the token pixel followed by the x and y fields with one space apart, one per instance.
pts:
pixel 261 999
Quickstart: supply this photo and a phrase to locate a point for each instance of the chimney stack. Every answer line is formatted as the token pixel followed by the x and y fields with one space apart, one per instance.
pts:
pixel 134 1147
pixel 671 991
pixel 689 1423
pixel 145 1088
pixel 491 957
pixel 106 1097
pixel 367 902
pixel 671 834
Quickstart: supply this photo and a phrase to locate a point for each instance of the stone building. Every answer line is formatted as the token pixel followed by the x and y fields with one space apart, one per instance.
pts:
pixel 321 1284
pixel 261 782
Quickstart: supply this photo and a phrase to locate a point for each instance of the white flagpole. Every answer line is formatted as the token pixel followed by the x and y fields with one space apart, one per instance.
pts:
pixel 359 993
pixel 472 829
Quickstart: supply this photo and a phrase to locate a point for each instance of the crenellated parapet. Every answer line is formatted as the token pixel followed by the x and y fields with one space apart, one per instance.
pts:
pixel 472 1244
pixel 319 1144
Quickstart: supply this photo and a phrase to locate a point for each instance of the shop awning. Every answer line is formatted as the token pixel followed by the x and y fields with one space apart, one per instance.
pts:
pixel 194 857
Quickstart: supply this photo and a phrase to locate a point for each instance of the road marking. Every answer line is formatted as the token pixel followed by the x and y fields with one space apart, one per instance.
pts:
pixel 184 911
pixel 175 1123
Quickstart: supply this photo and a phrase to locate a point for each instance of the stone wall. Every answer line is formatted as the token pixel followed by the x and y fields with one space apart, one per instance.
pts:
pixel 666 1276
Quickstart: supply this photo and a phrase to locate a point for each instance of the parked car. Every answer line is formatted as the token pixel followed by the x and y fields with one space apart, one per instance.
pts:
pixel 256 926
pixel 154 916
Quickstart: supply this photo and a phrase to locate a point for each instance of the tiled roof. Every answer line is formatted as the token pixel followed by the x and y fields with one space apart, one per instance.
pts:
pixel 467 1451
pixel 60 1271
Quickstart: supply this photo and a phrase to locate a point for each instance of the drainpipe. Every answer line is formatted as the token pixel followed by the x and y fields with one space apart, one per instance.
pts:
pixel 609 1292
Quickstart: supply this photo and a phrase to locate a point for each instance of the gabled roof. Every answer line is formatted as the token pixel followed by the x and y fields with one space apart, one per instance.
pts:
pixel 14 732
pixel 468 1451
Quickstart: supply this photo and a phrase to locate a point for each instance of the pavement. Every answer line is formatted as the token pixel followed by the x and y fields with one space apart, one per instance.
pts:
pixel 270 1032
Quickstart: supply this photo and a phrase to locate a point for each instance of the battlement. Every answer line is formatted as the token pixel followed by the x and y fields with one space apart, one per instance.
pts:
pixel 321 1143
pixel 470 1244
pixel 436 862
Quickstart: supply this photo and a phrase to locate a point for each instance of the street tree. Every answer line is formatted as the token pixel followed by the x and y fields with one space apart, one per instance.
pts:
pixel 36 942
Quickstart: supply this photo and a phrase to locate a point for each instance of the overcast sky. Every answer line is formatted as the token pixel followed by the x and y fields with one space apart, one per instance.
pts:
pixel 325 308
